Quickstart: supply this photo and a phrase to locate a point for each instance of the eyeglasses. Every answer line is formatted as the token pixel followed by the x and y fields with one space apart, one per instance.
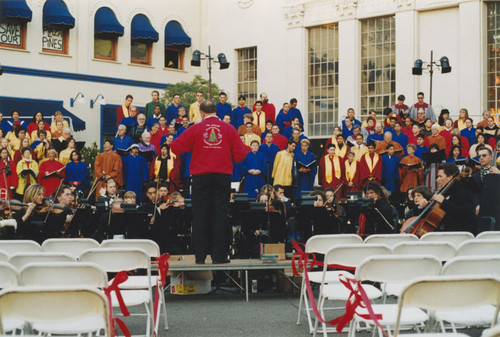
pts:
pixel 483 155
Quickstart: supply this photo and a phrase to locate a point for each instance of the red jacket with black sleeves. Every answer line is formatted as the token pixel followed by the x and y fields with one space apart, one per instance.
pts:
pixel 214 144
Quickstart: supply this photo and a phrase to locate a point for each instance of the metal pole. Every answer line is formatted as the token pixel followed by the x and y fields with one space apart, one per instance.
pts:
pixel 431 71
pixel 209 74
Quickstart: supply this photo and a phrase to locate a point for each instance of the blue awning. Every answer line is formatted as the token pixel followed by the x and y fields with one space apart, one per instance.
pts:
pixel 142 29
pixel 15 9
pixel 55 12
pixel 28 107
pixel 105 21
pixel 175 35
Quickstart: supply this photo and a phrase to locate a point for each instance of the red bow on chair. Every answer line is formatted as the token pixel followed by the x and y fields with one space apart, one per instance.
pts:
pixel 114 286
pixel 162 262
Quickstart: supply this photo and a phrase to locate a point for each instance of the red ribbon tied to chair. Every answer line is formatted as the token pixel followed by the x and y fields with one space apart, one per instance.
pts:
pixel 357 297
pixel 162 262
pixel 114 286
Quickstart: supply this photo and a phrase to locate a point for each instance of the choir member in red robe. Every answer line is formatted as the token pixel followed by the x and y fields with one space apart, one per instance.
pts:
pixel 341 149
pixel 51 173
pixel 123 111
pixel 278 139
pixel 351 176
pixel 8 176
pixel 330 169
pixel 370 166
pixel 109 165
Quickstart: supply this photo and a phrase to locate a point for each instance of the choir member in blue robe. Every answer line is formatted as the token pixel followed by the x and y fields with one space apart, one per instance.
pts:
pixel 173 109
pixel 122 141
pixel 77 172
pixel 469 132
pixel 399 137
pixel 269 149
pixel 238 112
pixel 378 136
pixel 223 108
pixel 135 172
pixel 287 113
pixel 390 171
pixel 253 167
pixel 305 177
pixel 421 148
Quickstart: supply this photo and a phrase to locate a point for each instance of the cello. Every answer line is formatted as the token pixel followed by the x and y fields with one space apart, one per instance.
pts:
pixel 433 214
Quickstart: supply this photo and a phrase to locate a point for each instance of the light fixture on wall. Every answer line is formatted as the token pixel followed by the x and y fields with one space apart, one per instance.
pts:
pixel 444 65
pixel 101 101
pixel 80 98
pixel 196 62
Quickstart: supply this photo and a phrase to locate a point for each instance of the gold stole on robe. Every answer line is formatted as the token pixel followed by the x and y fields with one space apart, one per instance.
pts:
pixel 371 164
pixel 170 165
pixel 350 170
pixel 334 141
pixel 328 168
pixel 341 153
pixel 125 111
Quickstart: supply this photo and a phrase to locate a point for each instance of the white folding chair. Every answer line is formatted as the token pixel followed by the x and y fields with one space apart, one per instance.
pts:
pixel 390 239
pixel 321 244
pixel 455 238
pixel 19 260
pixel 9 277
pixel 441 250
pixel 348 256
pixel 494 331
pixel 19 246
pixel 73 247
pixel 114 260
pixel 479 247
pixel 60 304
pixel 399 269
pixel 454 293
pixel 4 257
pixel 65 274
pixel 141 282
pixel 470 266
pixel 488 235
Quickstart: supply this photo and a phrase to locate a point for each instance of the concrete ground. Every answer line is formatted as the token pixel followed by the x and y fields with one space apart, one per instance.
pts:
pixel 269 313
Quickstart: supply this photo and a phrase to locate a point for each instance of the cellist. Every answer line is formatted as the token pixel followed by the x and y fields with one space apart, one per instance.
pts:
pixel 457 203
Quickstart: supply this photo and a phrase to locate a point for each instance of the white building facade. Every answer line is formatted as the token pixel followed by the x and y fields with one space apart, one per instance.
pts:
pixel 329 54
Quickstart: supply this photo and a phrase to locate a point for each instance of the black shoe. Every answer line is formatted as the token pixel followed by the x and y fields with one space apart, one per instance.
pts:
pixel 221 261
pixel 200 262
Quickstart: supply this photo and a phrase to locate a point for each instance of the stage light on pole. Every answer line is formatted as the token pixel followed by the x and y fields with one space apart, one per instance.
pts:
pixel 221 59
pixel 444 65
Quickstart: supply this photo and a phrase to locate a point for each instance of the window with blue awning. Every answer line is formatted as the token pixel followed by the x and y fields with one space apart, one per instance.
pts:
pixel 28 107
pixel 142 29
pixel 15 9
pixel 105 22
pixel 175 36
pixel 56 13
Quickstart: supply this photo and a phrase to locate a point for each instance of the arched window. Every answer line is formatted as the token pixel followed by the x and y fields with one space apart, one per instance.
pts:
pixel 57 21
pixel 107 29
pixel 142 38
pixel 176 41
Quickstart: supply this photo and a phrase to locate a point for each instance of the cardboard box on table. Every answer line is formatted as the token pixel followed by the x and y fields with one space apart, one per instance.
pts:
pixel 189 282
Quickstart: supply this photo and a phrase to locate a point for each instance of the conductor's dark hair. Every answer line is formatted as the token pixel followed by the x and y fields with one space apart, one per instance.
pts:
pixel 448 168
pixel 208 107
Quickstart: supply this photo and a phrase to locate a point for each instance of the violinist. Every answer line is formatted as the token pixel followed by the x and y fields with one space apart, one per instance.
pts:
pixel 377 218
pixel 30 219
pixel 458 202
pixel 103 229
pixel 324 224
pixel 60 215
pixel 110 190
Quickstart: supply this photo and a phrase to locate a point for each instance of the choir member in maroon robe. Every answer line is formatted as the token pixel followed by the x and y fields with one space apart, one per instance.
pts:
pixel 351 176
pixel 8 176
pixel 330 169
pixel 278 139
pixel 341 149
pixel 109 165
pixel 124 110
pixel 370 166
pixel 51 173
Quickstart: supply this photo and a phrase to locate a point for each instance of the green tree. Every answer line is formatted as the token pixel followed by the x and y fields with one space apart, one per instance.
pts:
pixel 188 90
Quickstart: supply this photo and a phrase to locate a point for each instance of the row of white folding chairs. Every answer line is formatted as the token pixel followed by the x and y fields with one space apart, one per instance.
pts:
pixel 111 260
pixel 410 245
pixel 400 270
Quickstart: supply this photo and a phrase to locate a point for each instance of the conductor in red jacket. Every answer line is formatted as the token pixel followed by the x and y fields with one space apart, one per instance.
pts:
pixel 215 146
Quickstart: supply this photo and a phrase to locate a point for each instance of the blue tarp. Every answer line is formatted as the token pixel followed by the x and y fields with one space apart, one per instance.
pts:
pixel 28 107
pixel 15 9
pixel 175 35
pixel 105 21
pixel 142 29
pixel 55 12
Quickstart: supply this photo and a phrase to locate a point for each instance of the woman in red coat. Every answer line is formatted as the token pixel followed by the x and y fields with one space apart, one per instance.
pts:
pixel 8 176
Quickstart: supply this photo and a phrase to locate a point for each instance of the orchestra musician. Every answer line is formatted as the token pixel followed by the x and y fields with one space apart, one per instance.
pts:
pixel 30 219
pixel 377 218
pixel 59 218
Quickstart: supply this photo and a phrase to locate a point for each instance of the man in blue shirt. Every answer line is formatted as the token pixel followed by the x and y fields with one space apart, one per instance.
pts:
pixel 351 113
pixel 239 112
pixel 173 109
pixel 122 141
pixel 399 137
pixel 269 149
pixel 223 108
pixel 421 148
pixel 287 113
pixel 469 132
pixel 347 127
